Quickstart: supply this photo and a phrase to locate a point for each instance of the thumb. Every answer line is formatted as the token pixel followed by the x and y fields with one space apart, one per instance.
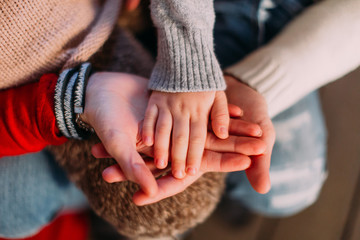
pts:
pixel 220 116
pixel 130 162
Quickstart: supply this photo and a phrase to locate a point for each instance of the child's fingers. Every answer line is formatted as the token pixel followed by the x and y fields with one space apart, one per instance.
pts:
pixel 162 139
pixel 244 128
pixel 179 148
pixel 220 116
pixel 198 131
pixel 149 123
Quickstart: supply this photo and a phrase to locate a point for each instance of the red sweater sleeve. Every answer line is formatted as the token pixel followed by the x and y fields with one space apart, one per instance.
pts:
pixel 27 119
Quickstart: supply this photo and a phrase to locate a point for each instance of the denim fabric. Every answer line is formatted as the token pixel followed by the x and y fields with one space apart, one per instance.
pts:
pixel 33 191
pixel 298 167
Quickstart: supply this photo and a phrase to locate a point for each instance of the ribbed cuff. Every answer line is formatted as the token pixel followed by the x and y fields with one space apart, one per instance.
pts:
pixel 186 62
pixel 45 111
pixel 265 71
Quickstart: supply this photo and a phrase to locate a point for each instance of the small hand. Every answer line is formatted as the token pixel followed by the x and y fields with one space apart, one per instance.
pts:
pixel 182 119
pixel 255 110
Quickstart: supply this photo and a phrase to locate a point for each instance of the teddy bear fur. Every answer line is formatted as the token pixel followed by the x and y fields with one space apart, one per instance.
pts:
pixel 113 202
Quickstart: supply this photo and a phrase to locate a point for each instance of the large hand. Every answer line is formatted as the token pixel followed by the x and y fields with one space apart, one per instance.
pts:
pixel 220 156
pixel 255 110
pixel 114 104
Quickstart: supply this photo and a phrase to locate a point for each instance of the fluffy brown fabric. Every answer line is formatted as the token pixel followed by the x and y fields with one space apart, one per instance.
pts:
pixel 113 202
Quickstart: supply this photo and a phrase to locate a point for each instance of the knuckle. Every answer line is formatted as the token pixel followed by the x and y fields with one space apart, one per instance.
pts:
pixel 181 139
pixel 162 129
pixel 159 150
pixel 197 140
pixel 194 160
pixel 220 116
pixel 177 162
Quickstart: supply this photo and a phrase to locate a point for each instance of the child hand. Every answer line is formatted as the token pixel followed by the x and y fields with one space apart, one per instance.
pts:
pixel 184 118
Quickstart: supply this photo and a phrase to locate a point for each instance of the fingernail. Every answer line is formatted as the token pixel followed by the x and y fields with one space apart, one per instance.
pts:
pixel 223 130
pixel 147 141
pixel 241 113
pixel 192 171
pixel 179 174
pixel 260 133
pixel 108 172
pixel 160 163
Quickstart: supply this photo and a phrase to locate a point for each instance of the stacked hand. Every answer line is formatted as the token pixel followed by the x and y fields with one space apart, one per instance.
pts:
pixel 182 119
pixel 115 106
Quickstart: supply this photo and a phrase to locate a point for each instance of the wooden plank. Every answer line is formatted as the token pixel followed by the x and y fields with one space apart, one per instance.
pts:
pixel 327 218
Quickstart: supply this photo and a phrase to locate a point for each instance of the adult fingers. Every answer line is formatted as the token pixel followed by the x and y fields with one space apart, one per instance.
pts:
pixel 244 128
pixel 236 144
pixel 99 151
pixel 224 162
pixel 258 173
pixel 212 161
pixel 115 174
pixel 220 116
pixel 235 111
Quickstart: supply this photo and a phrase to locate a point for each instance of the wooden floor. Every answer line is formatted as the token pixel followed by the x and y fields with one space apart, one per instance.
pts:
pixel 336 215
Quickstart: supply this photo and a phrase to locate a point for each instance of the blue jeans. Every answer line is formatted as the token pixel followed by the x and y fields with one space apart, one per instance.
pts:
pixel 298 165
pixel 33 189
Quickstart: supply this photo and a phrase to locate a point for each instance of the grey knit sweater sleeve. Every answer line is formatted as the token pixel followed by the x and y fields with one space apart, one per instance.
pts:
pixel 186 61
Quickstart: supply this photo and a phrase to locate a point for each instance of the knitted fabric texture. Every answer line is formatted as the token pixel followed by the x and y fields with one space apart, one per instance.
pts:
pixel 186 61
pixel 38 37
pixel 113 202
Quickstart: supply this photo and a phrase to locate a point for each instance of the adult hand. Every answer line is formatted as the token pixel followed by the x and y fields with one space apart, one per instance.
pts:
pixel 255 110
pixel 114 104
pixel 220 155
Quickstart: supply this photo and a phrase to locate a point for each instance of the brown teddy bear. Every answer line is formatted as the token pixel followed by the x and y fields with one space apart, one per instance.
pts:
pixel 113 202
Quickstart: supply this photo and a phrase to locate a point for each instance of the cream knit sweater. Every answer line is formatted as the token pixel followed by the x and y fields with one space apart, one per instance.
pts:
pixel 319 46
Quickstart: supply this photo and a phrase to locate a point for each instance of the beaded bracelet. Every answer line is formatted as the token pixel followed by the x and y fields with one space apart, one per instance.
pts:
pixel 70 101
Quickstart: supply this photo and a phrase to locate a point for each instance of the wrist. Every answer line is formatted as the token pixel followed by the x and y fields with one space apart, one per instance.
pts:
pixel 69 101
pixel 231 80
